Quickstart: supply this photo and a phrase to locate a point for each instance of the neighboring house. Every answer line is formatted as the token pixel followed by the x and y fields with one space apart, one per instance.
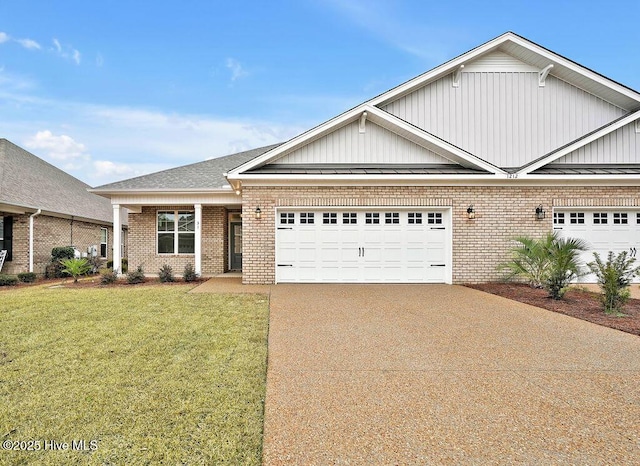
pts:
pixel 428 182
pixel 42 207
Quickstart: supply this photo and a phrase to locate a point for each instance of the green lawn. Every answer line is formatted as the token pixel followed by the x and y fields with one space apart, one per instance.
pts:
pixel 150 374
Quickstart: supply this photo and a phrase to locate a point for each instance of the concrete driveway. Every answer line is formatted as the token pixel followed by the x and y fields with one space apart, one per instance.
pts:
pixel 437 374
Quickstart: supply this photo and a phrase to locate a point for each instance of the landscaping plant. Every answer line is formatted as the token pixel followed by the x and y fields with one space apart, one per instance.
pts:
pixel 614 277
pixel 108 276
pixel 189 274
pixel 8 280
pixel 550 262
pixel 58 254
pixel 27 277
pixel 136 276
pixel 75 267
pixel 166 274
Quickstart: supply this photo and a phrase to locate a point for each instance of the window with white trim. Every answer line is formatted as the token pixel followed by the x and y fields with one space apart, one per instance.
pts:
pixel 392 217
pixel 307 218
pixel 434 218
pixel 620 218
pixel 576 218
pixel 176 232
pixel 104 235
pixel 349 218
pixel 558 218
pixel 372 218
pixel 600 218
pixel 329 218
pixel 287 218
pixel 414 218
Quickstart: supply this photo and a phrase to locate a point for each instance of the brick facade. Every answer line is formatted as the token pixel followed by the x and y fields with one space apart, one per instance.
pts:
pixel 143 241
pixel 50 232
pixel 479 245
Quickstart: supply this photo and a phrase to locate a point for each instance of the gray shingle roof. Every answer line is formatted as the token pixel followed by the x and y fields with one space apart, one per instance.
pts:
pixel 30 182
pixel 573 169
pixel 200 175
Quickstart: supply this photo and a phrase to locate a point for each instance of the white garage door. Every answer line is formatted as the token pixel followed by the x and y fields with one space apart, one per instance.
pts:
pixel 603 229
pixel 355 246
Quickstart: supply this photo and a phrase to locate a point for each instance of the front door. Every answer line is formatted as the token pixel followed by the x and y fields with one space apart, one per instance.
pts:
pixel 236 246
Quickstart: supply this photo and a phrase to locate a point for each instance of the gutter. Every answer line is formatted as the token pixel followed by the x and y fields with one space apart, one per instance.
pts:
pixel 31 217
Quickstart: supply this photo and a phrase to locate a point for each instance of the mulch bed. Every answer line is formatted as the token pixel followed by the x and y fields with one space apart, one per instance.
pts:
pixel 576 303
pixel 95 282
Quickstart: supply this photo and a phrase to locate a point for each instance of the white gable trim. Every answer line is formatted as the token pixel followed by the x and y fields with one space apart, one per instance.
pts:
pixel 453 65
pixel 579 143
pixel 381 118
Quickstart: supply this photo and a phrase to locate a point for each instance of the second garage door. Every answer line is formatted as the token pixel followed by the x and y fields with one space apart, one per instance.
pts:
pixel 363 246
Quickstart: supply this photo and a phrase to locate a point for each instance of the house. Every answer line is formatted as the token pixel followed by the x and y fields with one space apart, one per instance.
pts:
pixel 428 182
pixel 42 207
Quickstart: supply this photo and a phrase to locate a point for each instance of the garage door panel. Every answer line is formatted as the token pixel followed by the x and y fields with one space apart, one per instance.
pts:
pixel 352 250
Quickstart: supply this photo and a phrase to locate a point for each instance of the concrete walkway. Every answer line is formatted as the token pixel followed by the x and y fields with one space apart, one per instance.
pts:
pixel 438 374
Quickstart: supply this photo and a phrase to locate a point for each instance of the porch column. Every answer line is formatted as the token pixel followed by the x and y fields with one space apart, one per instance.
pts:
pixel 117 239
pixel 198 239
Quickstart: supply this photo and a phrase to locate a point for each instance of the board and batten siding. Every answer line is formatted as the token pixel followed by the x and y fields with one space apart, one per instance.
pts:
pixel 505 118
pixel 620 146
pixel 375 145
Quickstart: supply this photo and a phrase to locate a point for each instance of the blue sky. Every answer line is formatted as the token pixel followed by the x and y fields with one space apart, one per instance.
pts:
pixel 114 89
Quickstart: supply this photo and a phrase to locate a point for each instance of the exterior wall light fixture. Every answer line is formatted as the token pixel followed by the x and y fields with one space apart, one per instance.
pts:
pixel 540 213
pixel 471 212
pixel 258 212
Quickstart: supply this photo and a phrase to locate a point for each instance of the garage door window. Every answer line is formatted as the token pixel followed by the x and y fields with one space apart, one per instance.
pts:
pixel 372 218
pixel 620 218
pixel 329 218
pixel 349 218
pixel 391 217
pixel 600 218
pixel 415 218
pixel 287 218
pixel 558 218
pixel 307 218
pixel 576 218
pixel 638 218
pixel 434 218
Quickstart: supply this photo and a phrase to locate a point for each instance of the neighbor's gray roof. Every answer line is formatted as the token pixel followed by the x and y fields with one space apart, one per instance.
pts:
pixel 29 182
pixel 571 169
pixel 201 175
pixel 366 169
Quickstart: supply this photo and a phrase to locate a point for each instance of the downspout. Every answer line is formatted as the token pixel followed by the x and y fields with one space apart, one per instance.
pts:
pixel 31 217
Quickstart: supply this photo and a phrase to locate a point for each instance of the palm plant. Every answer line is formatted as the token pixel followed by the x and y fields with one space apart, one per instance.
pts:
pixel 75 267
pixel 529 261
pixel 566 265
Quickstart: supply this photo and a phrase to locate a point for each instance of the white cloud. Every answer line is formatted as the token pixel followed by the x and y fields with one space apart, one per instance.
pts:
pixel 75 56
pixel 62 148
pixel 65 51
pixel 237 71
pixel 3 37
pixel 56 44
pixel 29 44
pixel 99 60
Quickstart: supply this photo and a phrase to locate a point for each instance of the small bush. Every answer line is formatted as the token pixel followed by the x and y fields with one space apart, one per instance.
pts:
pixel 189 274
pixel 166 274
pixel 27 277
pixel 8 280
pixel 136 276
pixel 61 253
pixel 614 277
pixel 108 276
pixel 76 267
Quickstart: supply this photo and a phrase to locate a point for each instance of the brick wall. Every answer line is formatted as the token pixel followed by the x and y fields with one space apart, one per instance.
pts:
pixel 50 232
pixel 143 242
pixel 479 245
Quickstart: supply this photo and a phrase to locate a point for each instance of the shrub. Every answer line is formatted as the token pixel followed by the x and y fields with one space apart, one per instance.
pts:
pixel 529 261
pixel 27 277
pixel 8 280
pixel 58 254
pixel 566 266
pixel 108 276
pixel 614 277
pixel 189 274
pixel 76 267
pixel 166 274
pixel 136 276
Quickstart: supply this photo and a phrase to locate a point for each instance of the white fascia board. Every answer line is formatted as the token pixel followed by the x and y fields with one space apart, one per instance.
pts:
pixel 439 71
pixel 108 193
pixel 429 141
pixel 298 141
pixel 580 143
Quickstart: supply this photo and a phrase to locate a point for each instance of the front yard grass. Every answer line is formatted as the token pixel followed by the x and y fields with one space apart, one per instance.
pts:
pixel 151 375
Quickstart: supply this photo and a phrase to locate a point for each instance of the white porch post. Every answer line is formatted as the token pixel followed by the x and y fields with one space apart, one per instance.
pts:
pixel 117 239
pixel 198 239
